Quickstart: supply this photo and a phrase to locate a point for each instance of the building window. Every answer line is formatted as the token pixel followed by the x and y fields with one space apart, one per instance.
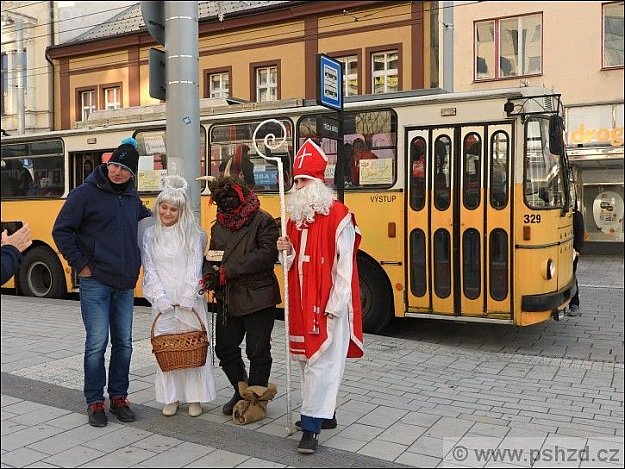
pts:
pixel 613 34
pixel 266 83
pixel 219 85
pixel 385 71
pixel 350 74
pixel 485 49
pixel 509 47
pixel 88 103
pixel 112 97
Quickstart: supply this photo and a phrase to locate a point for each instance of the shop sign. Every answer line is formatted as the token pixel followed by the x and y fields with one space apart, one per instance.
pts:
pixel 595 126
pixel 583 135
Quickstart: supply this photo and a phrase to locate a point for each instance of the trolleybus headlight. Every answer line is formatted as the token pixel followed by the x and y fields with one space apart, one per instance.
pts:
pixel 548 269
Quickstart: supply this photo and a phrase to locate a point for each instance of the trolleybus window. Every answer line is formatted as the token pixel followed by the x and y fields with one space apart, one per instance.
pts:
pixel 499 155
pixel 442 263
pixel 471 263
pixel 472 178
pixel 418 277
pixel 544 179
pixel 232 150
pixel 152 148
pixel 418 161
pixel 33 170
pixel 442 189
pixel 370 148
pixel 498 278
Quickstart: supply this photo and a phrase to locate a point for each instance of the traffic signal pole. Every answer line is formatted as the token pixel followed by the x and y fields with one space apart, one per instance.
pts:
pixel 175 26
pixel 183 95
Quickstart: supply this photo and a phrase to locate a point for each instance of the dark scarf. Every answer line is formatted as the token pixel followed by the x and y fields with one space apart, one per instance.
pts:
pixel 236 218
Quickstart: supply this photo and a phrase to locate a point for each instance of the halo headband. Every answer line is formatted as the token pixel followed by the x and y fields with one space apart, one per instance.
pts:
pixel 175 182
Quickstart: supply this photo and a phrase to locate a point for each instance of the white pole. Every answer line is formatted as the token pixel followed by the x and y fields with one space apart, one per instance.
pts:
pixel 271 142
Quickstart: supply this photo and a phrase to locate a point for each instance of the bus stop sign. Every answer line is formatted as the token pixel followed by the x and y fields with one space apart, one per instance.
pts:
pixel 330 85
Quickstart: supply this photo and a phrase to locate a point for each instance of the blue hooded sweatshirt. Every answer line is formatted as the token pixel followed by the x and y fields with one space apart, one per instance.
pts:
pixel 11 260
pixel 98 227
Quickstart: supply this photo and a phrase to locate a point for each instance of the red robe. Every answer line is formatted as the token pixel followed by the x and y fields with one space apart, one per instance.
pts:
pixel 308 326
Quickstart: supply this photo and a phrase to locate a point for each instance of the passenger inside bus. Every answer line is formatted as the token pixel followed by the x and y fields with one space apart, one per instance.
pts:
pixel 286 166
pixel 160 161
pixel 441 179
pixel 26 185
pixel 239 164
pixel 361 152
pixel 87 169
pixel 45 188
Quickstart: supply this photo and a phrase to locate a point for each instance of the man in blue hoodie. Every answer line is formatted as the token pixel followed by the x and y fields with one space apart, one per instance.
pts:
pixel 96 232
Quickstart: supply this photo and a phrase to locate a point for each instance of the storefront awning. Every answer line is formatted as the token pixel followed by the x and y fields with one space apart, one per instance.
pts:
pixel 596 157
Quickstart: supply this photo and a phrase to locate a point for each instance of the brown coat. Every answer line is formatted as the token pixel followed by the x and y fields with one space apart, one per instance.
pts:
pixel 250 255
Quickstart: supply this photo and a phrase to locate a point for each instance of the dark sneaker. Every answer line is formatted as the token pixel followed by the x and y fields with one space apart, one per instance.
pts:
pixel 228 407
pixel 326 424
pixel 97 417
pixel 574 311
pixel 308 443
pixel 119 407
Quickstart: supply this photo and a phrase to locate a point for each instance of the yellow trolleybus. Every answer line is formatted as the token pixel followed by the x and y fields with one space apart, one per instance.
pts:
pixel 462 198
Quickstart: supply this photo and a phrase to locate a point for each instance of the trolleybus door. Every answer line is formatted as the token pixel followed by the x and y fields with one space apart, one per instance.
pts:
pixel 83 165
pixel 442 175
pixel 458 221
pixel 417 227
pixel 498 235
pixel 470 214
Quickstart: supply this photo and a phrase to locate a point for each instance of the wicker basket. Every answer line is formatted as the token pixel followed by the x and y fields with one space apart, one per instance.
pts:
pixel 179 351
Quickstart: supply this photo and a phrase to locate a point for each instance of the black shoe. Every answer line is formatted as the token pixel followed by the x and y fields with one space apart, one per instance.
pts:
pixel 308 443
pixel 326 424
pixel 97 417
pixel 119 407
pixel 228 407
pixel 574 311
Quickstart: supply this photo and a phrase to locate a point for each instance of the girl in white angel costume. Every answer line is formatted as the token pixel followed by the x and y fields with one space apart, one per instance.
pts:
pixel 173 251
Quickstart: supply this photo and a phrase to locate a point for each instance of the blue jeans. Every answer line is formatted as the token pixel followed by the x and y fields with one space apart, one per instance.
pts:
pixel 106 308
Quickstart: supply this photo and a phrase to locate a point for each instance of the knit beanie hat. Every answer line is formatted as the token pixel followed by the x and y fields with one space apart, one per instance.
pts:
pixel 126 155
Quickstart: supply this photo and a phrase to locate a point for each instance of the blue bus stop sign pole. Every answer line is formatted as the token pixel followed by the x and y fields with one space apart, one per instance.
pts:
pixel 330 95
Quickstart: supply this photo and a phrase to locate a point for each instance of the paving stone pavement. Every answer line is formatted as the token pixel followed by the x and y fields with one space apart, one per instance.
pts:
pixel 418 403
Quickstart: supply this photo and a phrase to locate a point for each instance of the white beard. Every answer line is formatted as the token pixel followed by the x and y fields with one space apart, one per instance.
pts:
pixel 306 202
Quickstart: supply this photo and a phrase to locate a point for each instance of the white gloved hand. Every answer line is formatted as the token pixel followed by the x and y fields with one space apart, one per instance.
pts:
pixel 164 306
pixel 185 309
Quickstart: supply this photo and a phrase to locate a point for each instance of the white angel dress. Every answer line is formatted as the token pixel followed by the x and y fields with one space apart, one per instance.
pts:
pixel 172 277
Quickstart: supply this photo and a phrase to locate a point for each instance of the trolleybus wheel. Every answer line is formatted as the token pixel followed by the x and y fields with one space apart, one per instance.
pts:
pixel 376 295
pixel 41 274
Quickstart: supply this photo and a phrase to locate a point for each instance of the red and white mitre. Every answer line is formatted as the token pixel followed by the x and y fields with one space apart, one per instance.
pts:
pixel 310 162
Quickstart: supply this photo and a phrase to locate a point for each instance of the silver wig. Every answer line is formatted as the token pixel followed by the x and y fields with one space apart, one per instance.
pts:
pixel 187 229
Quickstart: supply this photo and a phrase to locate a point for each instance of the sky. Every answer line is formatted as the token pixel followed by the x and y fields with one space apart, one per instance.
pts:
pixel 76 18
